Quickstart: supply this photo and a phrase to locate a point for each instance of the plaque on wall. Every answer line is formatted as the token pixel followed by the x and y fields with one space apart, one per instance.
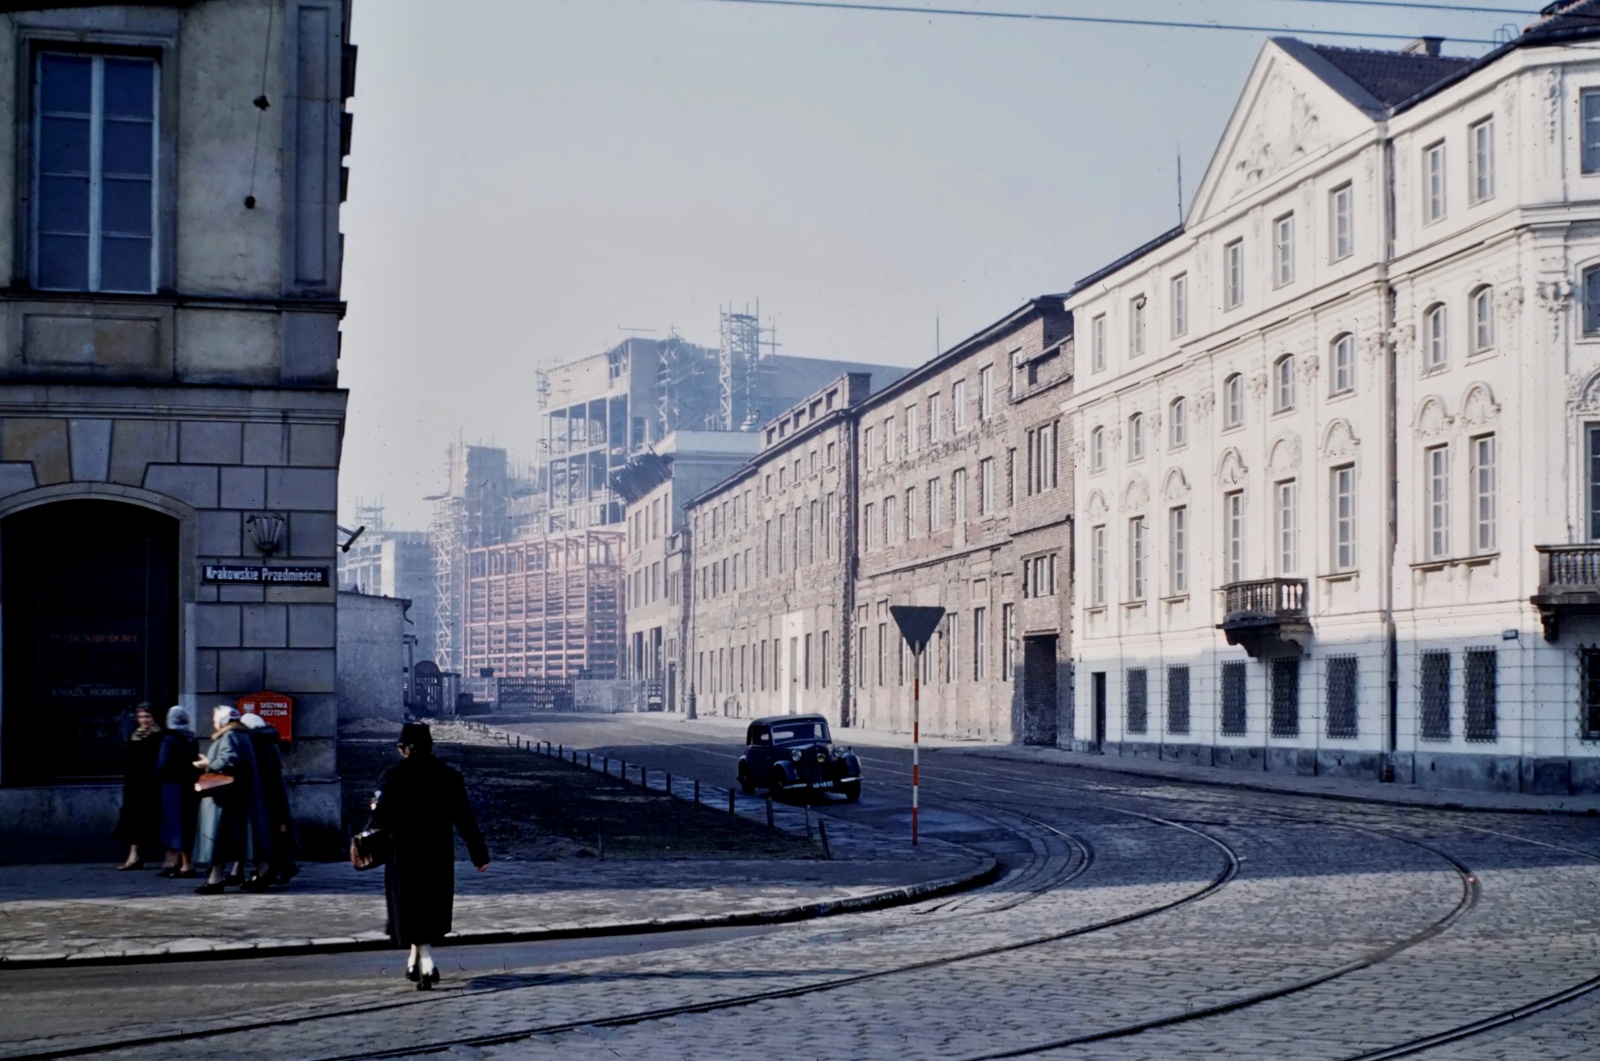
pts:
pixel 260 575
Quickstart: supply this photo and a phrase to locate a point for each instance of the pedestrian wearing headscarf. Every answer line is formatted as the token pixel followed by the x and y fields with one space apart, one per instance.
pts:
pixel 420 801
pixel 229 812
pixel 273 851
pixel 175 770
pixel 139 823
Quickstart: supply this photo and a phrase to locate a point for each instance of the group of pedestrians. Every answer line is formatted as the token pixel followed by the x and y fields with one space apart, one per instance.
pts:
pixel 226 809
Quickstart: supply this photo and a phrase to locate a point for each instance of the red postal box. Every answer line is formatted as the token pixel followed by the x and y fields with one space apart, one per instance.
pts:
pixel 276 709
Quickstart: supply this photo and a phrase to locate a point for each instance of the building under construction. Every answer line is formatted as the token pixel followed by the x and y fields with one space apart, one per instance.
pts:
pixel 545 608
pixel 529 579
pixel 604 409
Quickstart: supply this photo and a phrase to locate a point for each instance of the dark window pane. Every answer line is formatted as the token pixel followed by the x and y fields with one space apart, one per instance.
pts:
pixel 64 83
pixel 1342 718
pixel 1591 301
pixel 125 207
pixel 64 145
pixel 1482 723
pixel 1178 700
pixel 64 204
pixel 130 88
pixel 1285 698
pixel 64 262
pixel 1138 704
pixel 124 264
pixel 127 147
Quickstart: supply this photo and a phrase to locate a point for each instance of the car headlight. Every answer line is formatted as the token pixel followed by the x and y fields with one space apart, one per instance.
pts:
pixel 822 757
pixel 795 755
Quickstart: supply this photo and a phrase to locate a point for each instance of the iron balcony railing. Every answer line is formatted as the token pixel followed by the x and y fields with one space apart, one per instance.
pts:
pixel 1264 600
pixel 1569 569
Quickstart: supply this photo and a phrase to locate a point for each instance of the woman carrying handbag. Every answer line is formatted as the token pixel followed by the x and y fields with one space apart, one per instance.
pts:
pixel 421 804
pixel 231 803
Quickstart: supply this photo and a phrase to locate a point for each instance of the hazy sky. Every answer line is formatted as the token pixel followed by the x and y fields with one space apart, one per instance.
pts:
pixel 529 176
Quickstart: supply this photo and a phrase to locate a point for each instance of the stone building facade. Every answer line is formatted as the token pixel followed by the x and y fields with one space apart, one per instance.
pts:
pixel 170 415
pixel 1301 544
pixel 770 553
pixel 942 463
pixel 656 487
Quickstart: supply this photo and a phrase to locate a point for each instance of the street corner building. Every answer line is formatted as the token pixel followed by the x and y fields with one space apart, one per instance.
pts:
pixel 1338 434
pixel 170 415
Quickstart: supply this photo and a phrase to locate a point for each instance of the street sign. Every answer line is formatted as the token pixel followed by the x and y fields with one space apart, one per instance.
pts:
pixel 916 623
pixel 258 574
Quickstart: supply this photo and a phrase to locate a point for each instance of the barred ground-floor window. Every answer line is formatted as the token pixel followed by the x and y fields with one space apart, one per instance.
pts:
pixel 1235 720
pixel 1482 682
pixel 1138 702
pixel 1285 698
pixel 1589 693
pixel 1341 679
pixel 1434 698
pixel 1178 699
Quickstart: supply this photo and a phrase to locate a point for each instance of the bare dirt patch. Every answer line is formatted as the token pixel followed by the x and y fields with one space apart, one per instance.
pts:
pixel 533 807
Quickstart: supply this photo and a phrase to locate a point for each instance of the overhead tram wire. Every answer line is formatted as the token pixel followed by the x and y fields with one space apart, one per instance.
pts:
pixel 1093 20
pixel 1463 9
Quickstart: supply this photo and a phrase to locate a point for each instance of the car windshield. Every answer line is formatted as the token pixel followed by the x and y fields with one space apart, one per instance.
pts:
pixel 789 733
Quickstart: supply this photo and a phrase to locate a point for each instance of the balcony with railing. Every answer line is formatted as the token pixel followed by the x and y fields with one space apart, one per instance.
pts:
pixel 1569 584
pixel 1267 616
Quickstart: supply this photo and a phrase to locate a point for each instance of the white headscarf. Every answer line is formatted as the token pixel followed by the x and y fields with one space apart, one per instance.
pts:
pixel 253 720
pixel 178 720
pixel 222 714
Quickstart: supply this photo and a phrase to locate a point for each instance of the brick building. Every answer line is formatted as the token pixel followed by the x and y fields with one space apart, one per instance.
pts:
pixel 942 462
pixel 771 555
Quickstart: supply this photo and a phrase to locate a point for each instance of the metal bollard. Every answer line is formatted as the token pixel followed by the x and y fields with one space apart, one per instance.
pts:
pixel 730 801
pixel 669 784
pixel 644 778
pixel 769 812
pixel 588 760
pixel 697 790
pixel 808 821
pixel 822 830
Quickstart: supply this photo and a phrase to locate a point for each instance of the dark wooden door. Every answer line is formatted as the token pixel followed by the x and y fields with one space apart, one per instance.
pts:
pixel 90 629
pixel 1099 736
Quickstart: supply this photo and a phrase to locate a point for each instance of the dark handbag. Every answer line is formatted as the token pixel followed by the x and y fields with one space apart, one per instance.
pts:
pixel 369 849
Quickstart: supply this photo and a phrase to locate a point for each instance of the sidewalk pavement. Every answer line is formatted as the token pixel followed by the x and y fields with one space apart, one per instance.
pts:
pixel 1351 790
pixel 80 915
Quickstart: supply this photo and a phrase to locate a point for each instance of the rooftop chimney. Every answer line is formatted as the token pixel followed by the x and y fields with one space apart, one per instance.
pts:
pixel 1423 46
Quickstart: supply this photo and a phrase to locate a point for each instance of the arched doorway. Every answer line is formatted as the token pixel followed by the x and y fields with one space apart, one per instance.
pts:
pixel 89 592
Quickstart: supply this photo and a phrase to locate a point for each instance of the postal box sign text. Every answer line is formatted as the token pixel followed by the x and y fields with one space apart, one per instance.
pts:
pixel 276 709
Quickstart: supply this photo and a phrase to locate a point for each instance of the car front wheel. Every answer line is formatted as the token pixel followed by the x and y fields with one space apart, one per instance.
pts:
pixel 851 790
pixel 746 786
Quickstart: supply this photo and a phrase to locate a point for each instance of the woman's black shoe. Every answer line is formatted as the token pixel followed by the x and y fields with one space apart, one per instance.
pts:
pixel 425 984
pixel 210 889
pixel 254 884
pixel 233 880
pixel 435 974
pixel 412 974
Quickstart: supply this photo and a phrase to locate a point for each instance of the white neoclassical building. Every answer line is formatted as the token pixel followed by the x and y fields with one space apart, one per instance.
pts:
pixel 1338 435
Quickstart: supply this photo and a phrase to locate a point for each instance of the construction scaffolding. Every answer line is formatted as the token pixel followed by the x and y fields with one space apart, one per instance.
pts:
pixel 745 343
pixel 549 608
pixel 470 514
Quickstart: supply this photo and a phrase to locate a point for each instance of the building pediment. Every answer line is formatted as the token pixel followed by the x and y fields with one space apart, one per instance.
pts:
pixel 1285 117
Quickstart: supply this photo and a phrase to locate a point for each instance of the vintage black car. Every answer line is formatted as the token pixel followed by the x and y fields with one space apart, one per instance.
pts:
pixel 788 753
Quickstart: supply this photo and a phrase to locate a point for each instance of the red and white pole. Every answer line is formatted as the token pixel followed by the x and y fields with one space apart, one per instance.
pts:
pixel 916 739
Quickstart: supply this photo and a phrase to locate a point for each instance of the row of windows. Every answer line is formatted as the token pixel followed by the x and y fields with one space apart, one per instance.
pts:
pixel 1341 684
pixel 954 657
pixel 1483 487
pixel 883 441
pixel 759 667
pixel 881 520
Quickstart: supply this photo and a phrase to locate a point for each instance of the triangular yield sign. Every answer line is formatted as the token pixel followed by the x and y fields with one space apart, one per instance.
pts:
pixel 916 624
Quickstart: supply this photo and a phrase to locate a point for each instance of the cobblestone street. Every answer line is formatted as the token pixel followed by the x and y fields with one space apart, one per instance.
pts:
pixel 1135 918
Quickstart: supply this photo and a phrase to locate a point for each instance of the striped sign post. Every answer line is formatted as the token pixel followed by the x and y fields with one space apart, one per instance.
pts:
pixel 917 625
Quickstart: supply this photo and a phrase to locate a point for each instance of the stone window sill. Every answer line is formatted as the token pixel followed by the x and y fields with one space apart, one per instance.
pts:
pixel 1439 564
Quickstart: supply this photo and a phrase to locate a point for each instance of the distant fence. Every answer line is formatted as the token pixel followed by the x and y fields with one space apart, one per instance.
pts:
pixel 534 694
pixel 610 697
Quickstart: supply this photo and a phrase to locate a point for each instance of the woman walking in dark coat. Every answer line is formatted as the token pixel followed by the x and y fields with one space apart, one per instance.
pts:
pixel 139 824
pixel 231 812
pixel 420 800
pixel 180 803
pixel 273 852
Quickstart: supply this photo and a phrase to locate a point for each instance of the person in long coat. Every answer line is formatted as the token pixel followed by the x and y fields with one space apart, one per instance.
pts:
pixel 175 771
pixel 231 813
pixel 139 823
pixel 419 802
pixel 274 851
